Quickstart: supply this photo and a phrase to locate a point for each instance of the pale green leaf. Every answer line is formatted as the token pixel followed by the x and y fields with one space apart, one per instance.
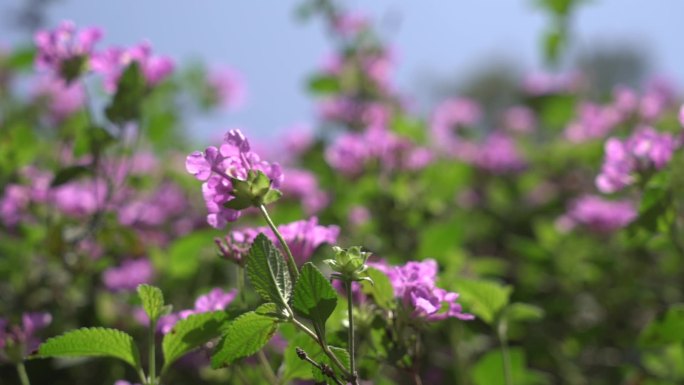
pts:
pixel 192 332
pixel 243 337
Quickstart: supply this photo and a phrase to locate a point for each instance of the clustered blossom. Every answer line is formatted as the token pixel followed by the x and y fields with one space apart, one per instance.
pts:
pixel 17 341
pixel 303 185
pixel 598 214
pixel 128 275
pixel 215 166
pixel 226 87
pixel 415 286
pixel 216 299
pixel 645 150
pixel 62 99
pixel 351 152
pixel 302 237
pixel 520 120
pixel 63 46
pixel 112 62
pixel 451 117
pixel 540 83
pixel 497 154
pixel 594 121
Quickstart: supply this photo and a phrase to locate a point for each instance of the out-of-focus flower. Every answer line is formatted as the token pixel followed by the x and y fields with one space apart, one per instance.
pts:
pixel 598 214
pixel 17 341
pixel 64 51
pixel 593 122
pixel 415 286
pixel 451 117
pixel 625 99
pixel 80 198
pixel 227 88
pixel 681 115
pixel 155 209
pixel 646 149
pixel 349 24
pixel 216 167
pixel 520 119
pixel 540 83
pixel 128 275
pixel 124 382
pixel 297 140
pixel 216 299
pixel 359 215
pixel 112 62
pixel 61 99
pixel 13 203
pixel 303 185
pixel 498 154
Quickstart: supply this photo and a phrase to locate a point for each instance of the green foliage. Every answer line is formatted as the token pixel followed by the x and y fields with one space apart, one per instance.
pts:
pixel 152 300
pixel 484 299
pixel 314 296
pixel 381 289
pixel 324 84
pixel 191 333
pixel 267 272
pixel 489 369
pixel 668 330
pixel 342 355
pixel 91 342
pixel 254 191
pixel 69 174
pixel 127 102
pixel 243 337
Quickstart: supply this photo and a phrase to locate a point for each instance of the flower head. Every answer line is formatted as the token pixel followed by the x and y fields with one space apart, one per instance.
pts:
pixel 64 51
pixel 18 340
pixel 599 214
pixel 112 62
pixel 128 275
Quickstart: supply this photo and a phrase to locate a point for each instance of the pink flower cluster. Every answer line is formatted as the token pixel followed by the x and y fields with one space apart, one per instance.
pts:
pixel 216 166
pixel 127 276
pixel 63 47
pixel 302 237
pixel 303 185
pixel 216 299
pixel 352 152
pixel 23 335
pixel 415 286
pixel 646 149
pixel 598 214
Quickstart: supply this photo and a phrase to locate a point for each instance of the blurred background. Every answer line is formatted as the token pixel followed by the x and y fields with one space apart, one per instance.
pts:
pixel 439 46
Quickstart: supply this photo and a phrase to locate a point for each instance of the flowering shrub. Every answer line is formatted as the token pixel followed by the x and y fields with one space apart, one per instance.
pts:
pixel 536 241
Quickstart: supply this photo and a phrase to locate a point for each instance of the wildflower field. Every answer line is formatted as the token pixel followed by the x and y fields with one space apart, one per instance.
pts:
pixel 527 235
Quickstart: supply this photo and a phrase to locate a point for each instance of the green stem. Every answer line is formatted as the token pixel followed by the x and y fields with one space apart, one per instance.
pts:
pixel 23 377
pixel 292 266
pixel 326 349
pixel 152 350
pixel 268 370
pixel 241 286
pixel 505 354
pixel 350 346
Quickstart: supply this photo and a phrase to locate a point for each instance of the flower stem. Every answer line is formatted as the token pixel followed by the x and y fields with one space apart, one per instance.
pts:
pixel 350 346
pixel 505 354
pixel 152 370
pixel 23 376
pixel 268 370
pixel 321 342
pixel 291 265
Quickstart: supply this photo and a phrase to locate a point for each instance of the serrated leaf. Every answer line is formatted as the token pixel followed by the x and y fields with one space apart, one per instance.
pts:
pixel 381 290
pixel 267 271
pixel 483 298
pixel 314 296
pixel 68 174
pixel 243 337
pixel 665 331
pixel 92 342
pixel 191 333
pixel 152 300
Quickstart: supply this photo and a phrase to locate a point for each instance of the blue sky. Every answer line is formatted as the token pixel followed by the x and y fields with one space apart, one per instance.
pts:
pixel 263 41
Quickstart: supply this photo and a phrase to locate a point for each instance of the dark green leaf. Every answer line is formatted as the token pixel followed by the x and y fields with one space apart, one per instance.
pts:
pixel 127 101
pixel 267 272
pixel 68 174
pixel 243 337
pixel 314 296
pixel 381 290
pixel 191 333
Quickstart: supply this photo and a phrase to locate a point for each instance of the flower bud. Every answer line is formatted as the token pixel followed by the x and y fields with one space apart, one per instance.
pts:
pixel 349 264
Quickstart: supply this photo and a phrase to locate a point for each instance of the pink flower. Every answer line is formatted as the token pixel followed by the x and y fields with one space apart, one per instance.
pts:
pixel 227 87
pixel 62 99
pixel 520 119
pixel 128 275
pixel 599 214
pixel 63 47
pixel 216 166
pixel 112 62
pixel 303 185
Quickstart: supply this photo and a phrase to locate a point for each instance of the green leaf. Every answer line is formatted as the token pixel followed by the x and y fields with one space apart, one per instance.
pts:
pixel 243 337
pixel 483 298
pixel 381 290
pixel 314 296
pixel 22 59
pixel 182 259
pixel 92 342
pixel 324 84
pixel 489 369
pixel 191 333
pixel 668 330
pixel 294 367
pixel 68 174
pixel 523 312
pixel 127 101
pixel 272 196
pixel 267 271
pixel 152 300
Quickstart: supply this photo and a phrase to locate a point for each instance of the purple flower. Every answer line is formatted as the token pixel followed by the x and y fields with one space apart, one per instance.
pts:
pixel 128 275
pixel 227 87
pixel 681 115
pixel 498 154
pixel 593 122
pixel 599 214
pixel 625 99
pixel 13 204
pixel 216 166
pixel 415 286
pixel 303 185
pixel 216 299
pixel 349 24
pixel 112 62
pixel 520 119
pixel 124 382
pixel 23 335
pixel 80 198
pixel 64 47
pixel 540 83
pixel 451 117
pixel 646 149
pixel 62 99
